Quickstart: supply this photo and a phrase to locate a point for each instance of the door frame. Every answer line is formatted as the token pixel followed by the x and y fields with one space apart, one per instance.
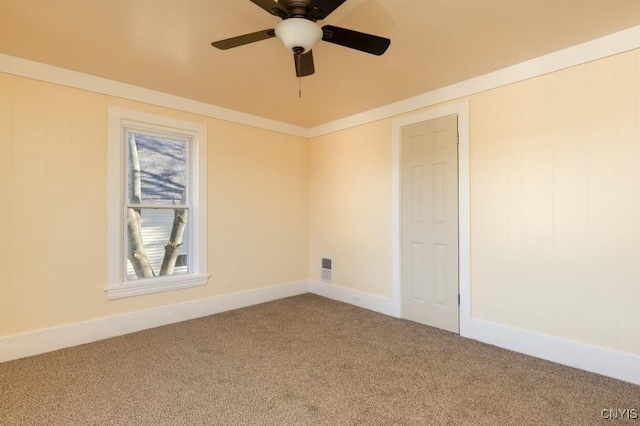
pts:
pixel 461 109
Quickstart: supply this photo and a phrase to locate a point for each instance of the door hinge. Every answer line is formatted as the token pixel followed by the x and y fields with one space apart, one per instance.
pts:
pixel 458 138
pixel 458 299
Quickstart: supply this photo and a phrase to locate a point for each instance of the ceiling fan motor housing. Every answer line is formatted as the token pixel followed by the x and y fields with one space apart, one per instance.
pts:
pixel 299 32
pixel 295 8
pixel 296 33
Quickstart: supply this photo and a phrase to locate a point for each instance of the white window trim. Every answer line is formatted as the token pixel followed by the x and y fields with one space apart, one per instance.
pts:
pixel 117 287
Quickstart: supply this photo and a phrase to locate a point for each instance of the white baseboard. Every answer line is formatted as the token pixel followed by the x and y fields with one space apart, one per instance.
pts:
pixel 362 299
pixel 51 339
pixel 607 362
pixel 619 365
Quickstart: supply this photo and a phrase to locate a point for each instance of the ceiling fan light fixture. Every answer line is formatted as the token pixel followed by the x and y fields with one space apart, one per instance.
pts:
pixel 298 33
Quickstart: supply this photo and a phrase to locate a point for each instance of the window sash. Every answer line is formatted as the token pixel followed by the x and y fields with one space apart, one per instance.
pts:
pixel 156 206
pixel 130 131
pixel 191 180
pixel 125 240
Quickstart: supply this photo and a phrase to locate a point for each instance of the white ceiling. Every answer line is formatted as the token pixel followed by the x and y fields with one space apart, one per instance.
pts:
pixel 165 45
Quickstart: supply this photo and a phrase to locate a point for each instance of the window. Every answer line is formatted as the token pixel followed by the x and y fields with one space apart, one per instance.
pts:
pixel 157 204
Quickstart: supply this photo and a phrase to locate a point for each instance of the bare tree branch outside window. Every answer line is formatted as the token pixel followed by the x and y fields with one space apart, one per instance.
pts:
pixel 137 255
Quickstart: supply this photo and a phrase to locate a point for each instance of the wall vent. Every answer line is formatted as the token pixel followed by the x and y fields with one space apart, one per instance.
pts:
pixel 326 272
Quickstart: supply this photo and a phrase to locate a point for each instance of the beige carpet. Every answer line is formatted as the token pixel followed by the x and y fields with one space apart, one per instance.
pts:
pixel 304 360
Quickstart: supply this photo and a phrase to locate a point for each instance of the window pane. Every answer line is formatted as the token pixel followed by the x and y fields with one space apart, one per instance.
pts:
pixel 157 169
pixel 148 232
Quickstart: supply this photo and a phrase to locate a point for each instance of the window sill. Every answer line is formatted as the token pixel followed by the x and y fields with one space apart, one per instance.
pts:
pixel 155 285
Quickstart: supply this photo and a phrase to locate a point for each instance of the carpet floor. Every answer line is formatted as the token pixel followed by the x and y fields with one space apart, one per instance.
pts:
pixel 303 360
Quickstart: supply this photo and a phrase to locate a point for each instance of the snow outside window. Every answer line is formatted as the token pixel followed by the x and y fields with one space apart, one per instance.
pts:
pixel 157 204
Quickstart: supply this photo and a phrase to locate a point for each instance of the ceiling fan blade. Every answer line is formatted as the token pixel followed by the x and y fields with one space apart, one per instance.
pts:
pixel 320 9
pixel 272 7
pixel 304 64
pixel 355 40
pixel 243 39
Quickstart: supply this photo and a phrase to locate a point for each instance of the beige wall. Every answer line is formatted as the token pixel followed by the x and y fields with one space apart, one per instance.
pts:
pixel 350 210
pixel 555 187
pixel 53 146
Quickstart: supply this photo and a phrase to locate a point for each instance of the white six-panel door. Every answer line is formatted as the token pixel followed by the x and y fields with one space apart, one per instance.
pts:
pixel 429 223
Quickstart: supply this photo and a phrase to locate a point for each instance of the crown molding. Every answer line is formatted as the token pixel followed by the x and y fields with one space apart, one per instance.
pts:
pixel 48 73
pixel 593 50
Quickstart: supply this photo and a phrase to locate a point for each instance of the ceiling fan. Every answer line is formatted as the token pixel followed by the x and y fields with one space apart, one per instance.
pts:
pixel 299 32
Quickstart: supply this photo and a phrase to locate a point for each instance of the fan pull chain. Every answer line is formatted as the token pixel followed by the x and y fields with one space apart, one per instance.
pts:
pixel 298 52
